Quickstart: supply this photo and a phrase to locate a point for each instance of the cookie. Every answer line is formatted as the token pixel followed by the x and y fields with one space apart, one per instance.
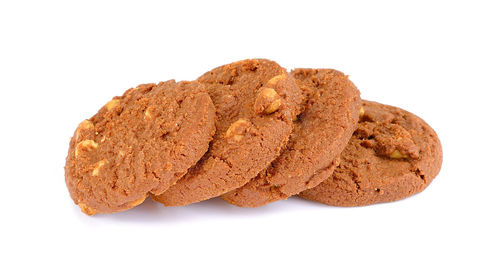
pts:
pixel 139 143
pixel 393 154
pixel 321 132
pixel 256 101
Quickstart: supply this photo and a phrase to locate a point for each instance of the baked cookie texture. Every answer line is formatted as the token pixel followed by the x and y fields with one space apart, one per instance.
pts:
pixel 329 117
pixel 139 143
pixel 256 101
pixel 393 154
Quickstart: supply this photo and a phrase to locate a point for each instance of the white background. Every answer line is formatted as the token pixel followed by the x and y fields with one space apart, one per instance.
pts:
pixel 61 61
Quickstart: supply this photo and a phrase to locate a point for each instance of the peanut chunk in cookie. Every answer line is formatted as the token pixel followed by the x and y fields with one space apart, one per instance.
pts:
pixel 87 209
pixel 268 101
pixel 98 167
pixel 86 124
pixel 237 130
pixel 112 104
pixel 138 201
pixel 275 79
pixel 398 155
pixel 147 114
pixel 83 126
pixel 85 145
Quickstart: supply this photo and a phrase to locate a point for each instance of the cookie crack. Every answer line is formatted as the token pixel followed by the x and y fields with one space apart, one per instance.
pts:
pixel 418 173
pixel 353 177
pixel 319 171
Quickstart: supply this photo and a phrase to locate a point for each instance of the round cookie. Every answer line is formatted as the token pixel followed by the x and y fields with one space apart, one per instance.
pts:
pixel 138 143
pixel 393 154
pixel 255 103
pixel 321 132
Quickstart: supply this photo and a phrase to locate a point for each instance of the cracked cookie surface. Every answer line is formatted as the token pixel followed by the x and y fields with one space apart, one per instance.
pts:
pixel 392 154
pixel 256 101
pixel 139 143
pixel 321 131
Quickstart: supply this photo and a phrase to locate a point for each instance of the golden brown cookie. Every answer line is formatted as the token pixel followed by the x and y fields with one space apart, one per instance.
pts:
pixel 393 154
pixel 255 101
pixel 139 143
pixel 321 131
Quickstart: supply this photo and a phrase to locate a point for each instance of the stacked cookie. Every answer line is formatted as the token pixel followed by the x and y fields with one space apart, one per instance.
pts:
pixel 251 133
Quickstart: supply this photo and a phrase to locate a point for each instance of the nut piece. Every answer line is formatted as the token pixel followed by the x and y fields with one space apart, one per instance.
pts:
pixel 276 78
pixel 147 114
pixel 84 125
pixel 137 202
pixel 398 155
pixel 98 167
pixel 361 112
pixel 87 209
pixel 111 104
pixel 237 130
pixel 267 101
pixel 85 145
